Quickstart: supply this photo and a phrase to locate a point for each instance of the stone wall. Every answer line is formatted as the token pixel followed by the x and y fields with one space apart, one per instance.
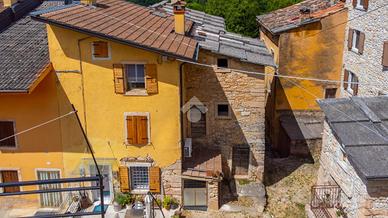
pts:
pixel 245 94
pixel 368 66
pixel 358 199
pixel 171 180
pixel 213 195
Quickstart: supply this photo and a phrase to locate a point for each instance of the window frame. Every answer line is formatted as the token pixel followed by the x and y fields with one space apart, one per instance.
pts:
pixel 355 40
pixel 325 93
pixel 229 110
pixel 359 5
pixel 139 164
pixel 351 76
pixel 127 82
pixel 128 114
pixel 11 169
pixel 233 161
pixel 94 58
pixel 222 58
pixel 16 138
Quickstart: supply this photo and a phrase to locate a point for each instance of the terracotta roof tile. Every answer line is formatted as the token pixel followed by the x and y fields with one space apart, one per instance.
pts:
pixel 204 163
pixel 291 17
pixel 128 23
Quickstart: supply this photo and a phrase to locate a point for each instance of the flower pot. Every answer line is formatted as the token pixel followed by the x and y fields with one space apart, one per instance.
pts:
pixel 116 207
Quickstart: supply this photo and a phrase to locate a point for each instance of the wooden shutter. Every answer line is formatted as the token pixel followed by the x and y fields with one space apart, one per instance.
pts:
pixel 354 3
pixel 100 49
pixel 10 176
pixel 355 86
pixel 366 4
pixel 6 130
pixel 142 130
pixel 346 77
pixel 124 179
pixel 131 130
pixel 154 179
pixel 119 82
pixel 350 38
pixel 151 78
pixel 385 54
pixel 361 41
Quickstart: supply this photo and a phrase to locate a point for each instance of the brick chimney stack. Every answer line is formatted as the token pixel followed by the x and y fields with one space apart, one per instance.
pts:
pixel 179 15
pixel 89 2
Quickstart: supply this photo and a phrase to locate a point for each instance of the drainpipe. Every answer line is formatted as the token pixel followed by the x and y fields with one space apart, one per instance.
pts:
pixel 82 82
pixel 181 104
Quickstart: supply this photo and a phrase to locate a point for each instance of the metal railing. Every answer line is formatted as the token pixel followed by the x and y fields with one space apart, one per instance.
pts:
pixel 324 197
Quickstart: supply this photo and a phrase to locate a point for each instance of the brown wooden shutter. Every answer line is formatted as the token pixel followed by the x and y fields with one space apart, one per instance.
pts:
pixel 124 179
pixel 346 77
pixel 355 86
pixel 10 176
pixel 385 54
pixel 154 179
pixel 354 3
pixel 100 49
pixel 131 130
pixel 142 130
pixel 361 41
pixel 350 38
pixel 366 4
pixel 119 82
pixel 151 78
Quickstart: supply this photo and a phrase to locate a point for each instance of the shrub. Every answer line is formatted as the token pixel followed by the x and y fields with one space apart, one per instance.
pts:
pixel 169 202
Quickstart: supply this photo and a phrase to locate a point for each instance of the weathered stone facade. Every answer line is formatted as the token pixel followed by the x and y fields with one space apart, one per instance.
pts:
pixel 171 180
pixel 245 94
pixel 360 199
pixel 368 66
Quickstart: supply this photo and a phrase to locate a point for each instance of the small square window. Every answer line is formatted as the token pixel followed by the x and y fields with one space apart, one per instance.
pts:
pixel 330 92
pixel 139 178
pixel 135 77
pixel 222 62
pixel 100 50
pixel 223 110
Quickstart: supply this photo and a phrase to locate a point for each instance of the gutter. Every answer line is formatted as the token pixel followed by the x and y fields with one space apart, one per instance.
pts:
pixel 180 109
pixel 104 36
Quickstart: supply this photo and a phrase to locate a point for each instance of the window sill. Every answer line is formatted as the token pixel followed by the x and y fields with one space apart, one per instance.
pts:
pixel 355 50
pixel 221 70
pixel 223 117
pixel 241 176
pixel 101 59
pixel 360 8
pixel 139 191
pixel 137 145
pixel 7 148
pixel 137 92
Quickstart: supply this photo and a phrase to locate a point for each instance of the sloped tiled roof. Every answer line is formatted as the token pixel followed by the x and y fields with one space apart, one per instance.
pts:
pixel 211 34
pixel 361 126
pixel 23 52
pixel 291 17
pixel 126 23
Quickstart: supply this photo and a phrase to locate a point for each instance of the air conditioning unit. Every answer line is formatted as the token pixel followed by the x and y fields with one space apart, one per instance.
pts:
pixel 188 147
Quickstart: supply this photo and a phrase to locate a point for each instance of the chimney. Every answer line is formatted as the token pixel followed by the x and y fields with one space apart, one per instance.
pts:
pixel 179 15
pixel 89 2
pixel 9 3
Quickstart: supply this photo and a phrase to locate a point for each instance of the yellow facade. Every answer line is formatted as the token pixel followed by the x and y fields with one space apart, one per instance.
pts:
pixel 314 51
pixel 38 149
pixel 101 111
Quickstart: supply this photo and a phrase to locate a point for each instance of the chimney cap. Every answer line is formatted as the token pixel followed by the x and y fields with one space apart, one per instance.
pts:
pixel 178 2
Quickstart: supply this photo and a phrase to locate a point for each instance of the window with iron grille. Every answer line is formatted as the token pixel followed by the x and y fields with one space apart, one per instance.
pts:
pixel 139 178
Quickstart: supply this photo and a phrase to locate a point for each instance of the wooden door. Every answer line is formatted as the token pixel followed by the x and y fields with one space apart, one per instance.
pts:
pixel 10 176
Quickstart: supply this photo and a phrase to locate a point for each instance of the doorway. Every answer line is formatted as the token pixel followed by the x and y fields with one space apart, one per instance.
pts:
pixel 49 199
pixel 194 195
pixel 106 171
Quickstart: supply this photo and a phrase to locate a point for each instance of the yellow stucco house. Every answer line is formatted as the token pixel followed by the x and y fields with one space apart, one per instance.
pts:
pixel 307 41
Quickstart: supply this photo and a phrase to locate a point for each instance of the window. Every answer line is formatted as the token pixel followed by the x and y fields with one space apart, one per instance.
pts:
pixel 137 129
pixel 135 77
pixel 223 110
pixel 139 178
pixel 197 122
pixel 356 40
pixel 9 176
pixel 330 92
pixel 351 82
pixel 240 160
pixel 7 129
pixel 49 199
pixel 222 62
pixel 100 50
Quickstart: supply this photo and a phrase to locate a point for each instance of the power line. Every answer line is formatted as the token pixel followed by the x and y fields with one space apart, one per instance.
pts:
pixel 347 116
pixel 37 126
pixel 276 75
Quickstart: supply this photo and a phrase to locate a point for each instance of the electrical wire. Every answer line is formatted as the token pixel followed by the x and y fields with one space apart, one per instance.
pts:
pixel 37 126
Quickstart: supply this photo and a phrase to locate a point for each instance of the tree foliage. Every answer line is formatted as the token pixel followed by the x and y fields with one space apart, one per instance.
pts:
pixel 240 15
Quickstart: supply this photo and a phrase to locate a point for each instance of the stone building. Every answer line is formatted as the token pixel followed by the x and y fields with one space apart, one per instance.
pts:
pixel 303 41
pixel 353 174
pixel 227 141
pixel 366 49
